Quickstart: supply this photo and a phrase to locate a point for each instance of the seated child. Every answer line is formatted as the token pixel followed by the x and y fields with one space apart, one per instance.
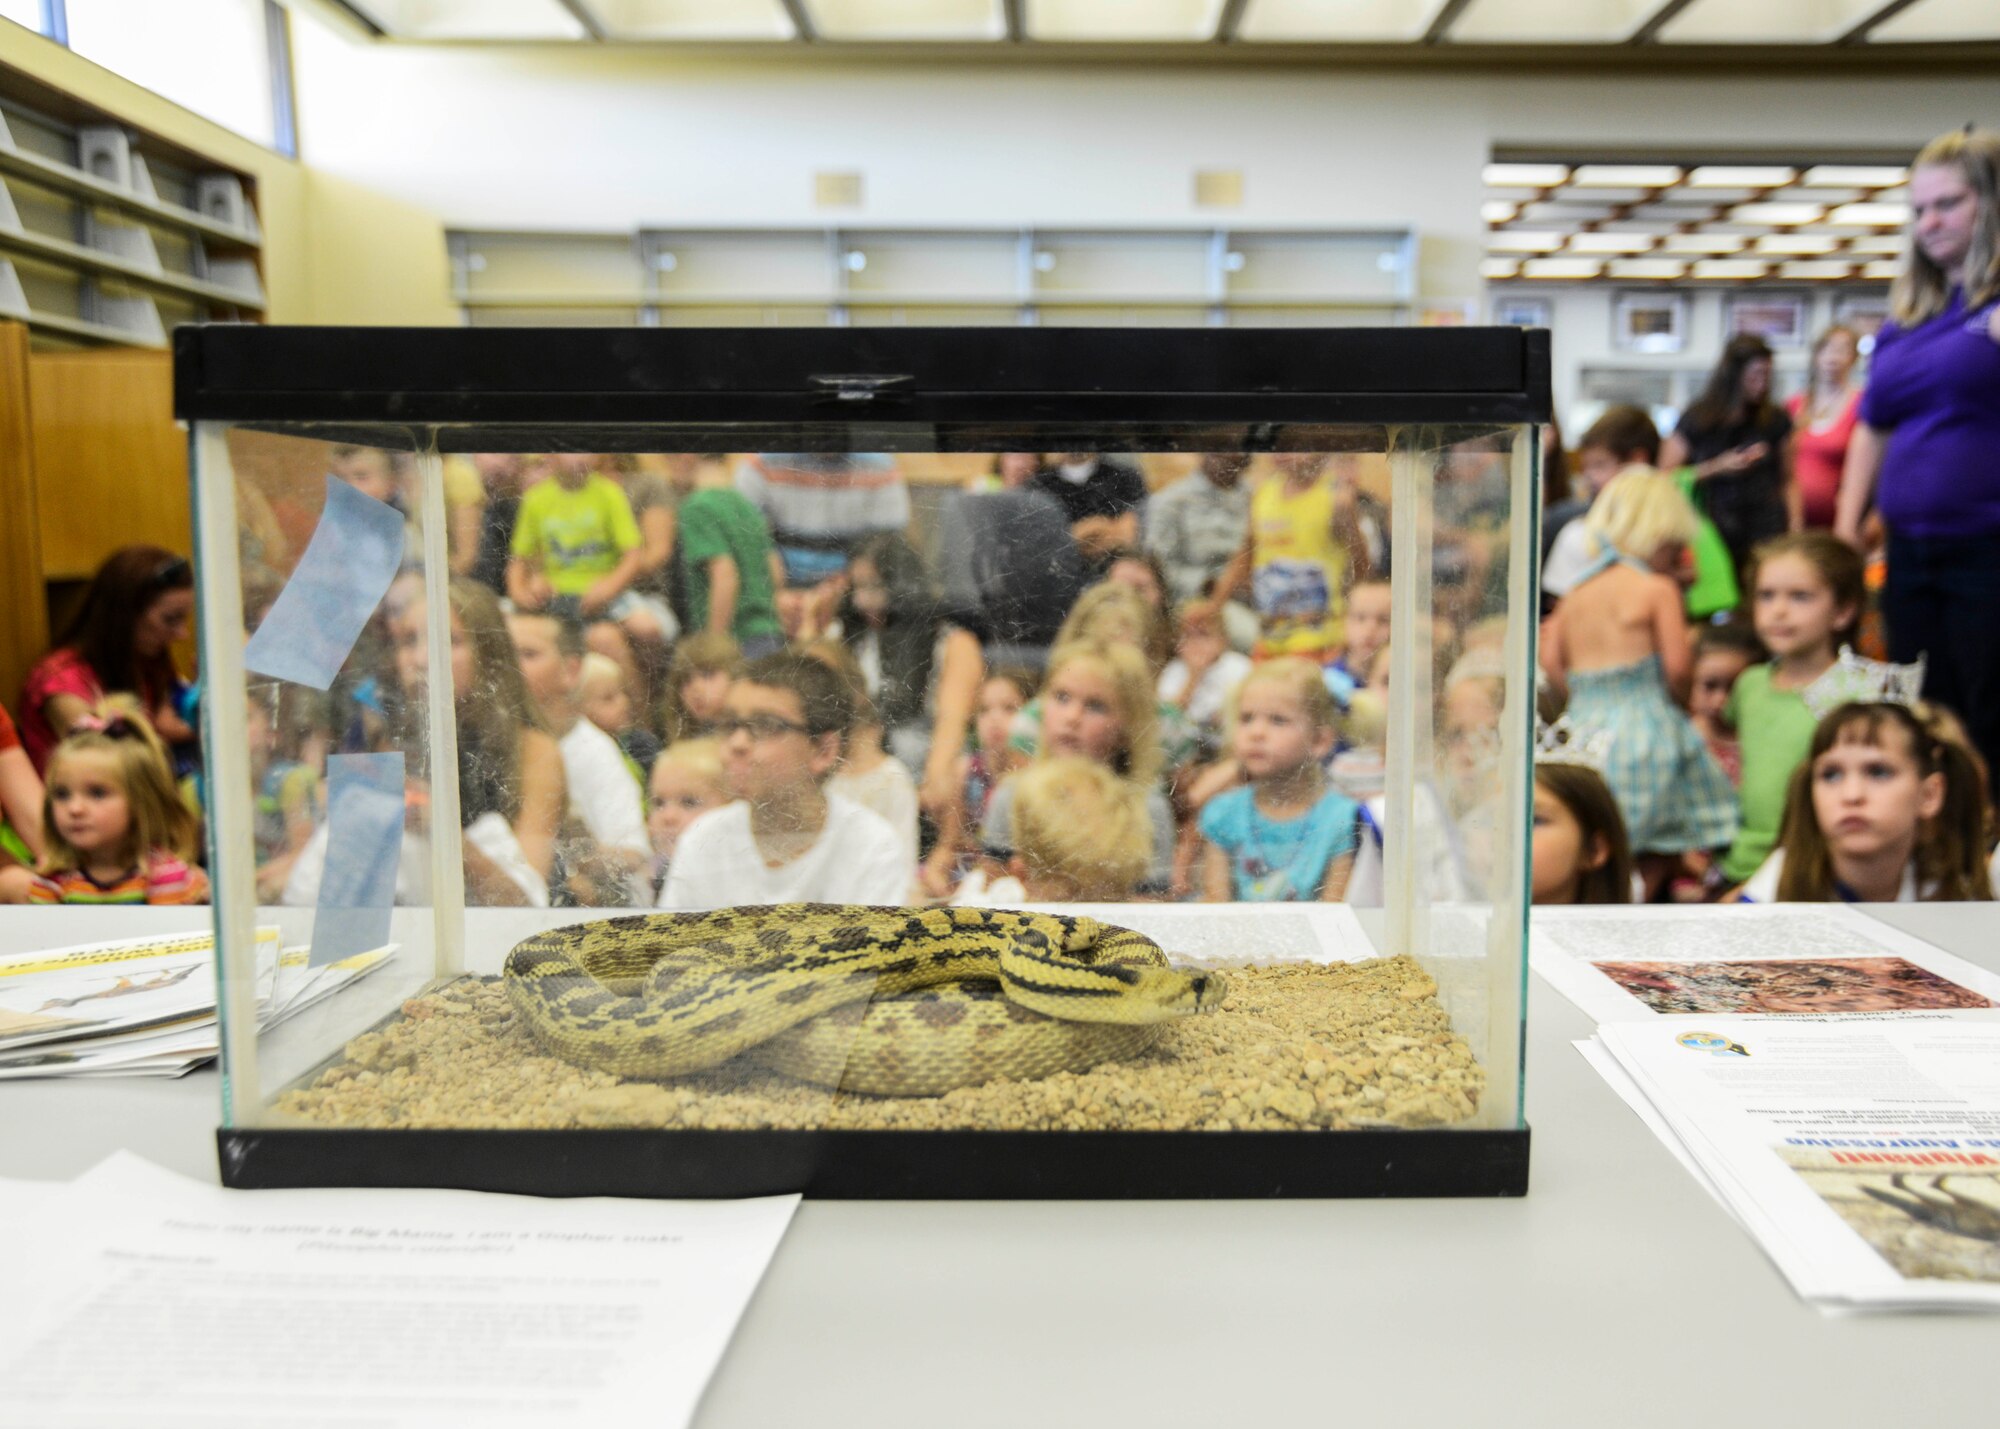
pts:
pixel 1581 854
pixel 1203 672
pixel 1721 654
pixel 1288 835
pixel 577 550
pixel 697 684
pixel 785 839
pixel 868 773
pixel 606 701
pixel 1367 635
pixel 1887 808
pixel 1081 835
pixel 114 827
pixel 602 859
pixel 1002 696
pixel 686 783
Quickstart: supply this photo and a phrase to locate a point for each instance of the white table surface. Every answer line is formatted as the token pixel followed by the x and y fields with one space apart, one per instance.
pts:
pixel 1616 1293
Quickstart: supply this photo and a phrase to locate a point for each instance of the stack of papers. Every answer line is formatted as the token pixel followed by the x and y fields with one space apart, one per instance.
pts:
pixel 144 1007
pixel 1863 1156
pixel 1833 1082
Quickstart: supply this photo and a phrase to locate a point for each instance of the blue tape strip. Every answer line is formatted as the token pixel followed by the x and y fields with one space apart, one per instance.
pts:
pixel 364 845
pixel 354 554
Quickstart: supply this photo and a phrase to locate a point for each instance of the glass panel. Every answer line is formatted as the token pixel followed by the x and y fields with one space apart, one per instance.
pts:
pixel 1020 675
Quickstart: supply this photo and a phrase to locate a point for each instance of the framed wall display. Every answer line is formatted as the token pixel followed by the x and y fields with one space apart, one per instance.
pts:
pixel 1863 312
pixel 1778 318
pixel 1511 311
pixel 1649 321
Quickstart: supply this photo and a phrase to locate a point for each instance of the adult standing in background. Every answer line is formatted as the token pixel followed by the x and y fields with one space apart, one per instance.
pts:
pixel 139 606
pixel 1927 447
pixel 1195 525
pixel 1103 499
pixel 1823 414
pixel 821 506
pixel 1738 442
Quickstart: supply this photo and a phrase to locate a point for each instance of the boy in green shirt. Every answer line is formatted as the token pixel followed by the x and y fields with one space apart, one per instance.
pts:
pixel 576 550
pixel 730 567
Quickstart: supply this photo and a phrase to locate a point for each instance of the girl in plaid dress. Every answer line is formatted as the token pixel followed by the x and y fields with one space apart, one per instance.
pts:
pixel 1619 642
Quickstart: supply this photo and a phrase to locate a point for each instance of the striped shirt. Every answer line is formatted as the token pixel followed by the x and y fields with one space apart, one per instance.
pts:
pixel 162 880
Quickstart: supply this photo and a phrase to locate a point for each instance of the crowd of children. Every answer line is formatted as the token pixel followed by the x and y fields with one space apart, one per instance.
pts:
pixel 654 714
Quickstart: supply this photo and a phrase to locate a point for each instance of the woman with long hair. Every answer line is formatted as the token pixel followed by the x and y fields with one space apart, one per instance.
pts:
pixel 1930 427
pixel 1823 414
pixel 1739 443
pixel 139 605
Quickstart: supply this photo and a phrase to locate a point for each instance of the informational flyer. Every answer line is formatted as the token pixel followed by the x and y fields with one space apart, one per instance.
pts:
pixel 1864 1156
pixel 138 1297
pixel 1778 960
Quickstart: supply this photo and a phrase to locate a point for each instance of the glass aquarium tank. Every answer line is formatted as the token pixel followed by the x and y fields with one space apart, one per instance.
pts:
pixel 871 762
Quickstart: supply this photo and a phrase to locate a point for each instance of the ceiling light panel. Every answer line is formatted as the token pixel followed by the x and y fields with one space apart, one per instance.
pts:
pixel 1731 268
pixel 1610 243
pixel 1777 213
pixel 1737 176
pixel 1109 20
pixel 1877 243
pixel 1941 20
pixel 1817 271
pixel 1527 176
pixel 1860 176
pixel 1499 268
pixel 907 19
pixel 1882 268
pixel 1567 212
pixel 1654 268
pixel 476 19
pixel 1800 245
pixel 1354 21
pixel 693 19
pixel 1625 176
pixel 1703 243
pixel 1494 211
pixel 1871 215
pixel 1551 22
pixel 1562 268
pixel 1768 22
pixel 1519 241
pixel 1575 193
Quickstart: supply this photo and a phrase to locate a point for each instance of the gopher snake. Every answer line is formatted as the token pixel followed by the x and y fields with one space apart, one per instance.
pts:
pixel 814 990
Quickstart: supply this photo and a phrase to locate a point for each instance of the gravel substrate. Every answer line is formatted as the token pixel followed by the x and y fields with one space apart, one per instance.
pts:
pixel 1294 1046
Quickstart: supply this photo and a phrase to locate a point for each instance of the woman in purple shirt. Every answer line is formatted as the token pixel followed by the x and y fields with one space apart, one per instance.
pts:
pixel 1927 447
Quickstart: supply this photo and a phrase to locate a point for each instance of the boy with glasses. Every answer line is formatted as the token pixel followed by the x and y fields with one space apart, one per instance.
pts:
pixel 785 840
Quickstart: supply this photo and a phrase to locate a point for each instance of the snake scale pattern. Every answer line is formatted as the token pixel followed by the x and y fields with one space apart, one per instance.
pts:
pixel 888 1001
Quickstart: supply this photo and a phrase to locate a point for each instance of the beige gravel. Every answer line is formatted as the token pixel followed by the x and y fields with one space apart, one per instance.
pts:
pixel 1293 1046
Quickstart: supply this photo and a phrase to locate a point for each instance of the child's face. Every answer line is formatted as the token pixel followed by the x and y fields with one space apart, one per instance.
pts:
pixel 703 696
pixel 999 702
pixel 606 705
pixel 1560 859
pixel 573 469
pixel 1274 738
pixel 1471 733
pixel 1714 677
pixel 1080 714
pixel 870 595
pixel 550 674
pixel 1596 466
pixel 1367 624
pixel 679 797
pixel 1869 798
pixel 88 804
pixel 368 472
pixel 1793 607
pixel 1139 576
pixel 770 754
pixel 1201 642
pixel 162 623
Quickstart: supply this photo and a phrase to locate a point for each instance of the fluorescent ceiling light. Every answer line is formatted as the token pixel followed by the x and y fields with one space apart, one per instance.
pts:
pixel 1703 243
pixel 1871 215
pixel 1610 243
pixel 1562 268
pixel 1853 176
pixel 1727 176
pixel 1941 20
pixel 1882 268
pixel 1891 243
pixel 1523 241
pixel 1567 212
pixel 1768 22
pixel 1802 193
pixel 1801 244
pixel 1648 268
pixel 1551 22
pixel 1353 22
pixel 1579 193
pixel 1730 268
pixel 1526 176
pixel 1781 214
pixel 1818 272
pixel 1093 20
pixel 693 19
pixel 1498 267
pixel 1494 212
pixel 475 19
pixel 1624 176
pixel 907 19
pixel 1706 198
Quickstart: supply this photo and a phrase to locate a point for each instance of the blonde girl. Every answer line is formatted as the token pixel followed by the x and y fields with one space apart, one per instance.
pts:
pixel 1619 641
pixel 1082 836
pixel 1098 704
pixel 697 684
pixel 868 774
pixel 1003 694
pixel 114 829
pixel 687 781
pixel 1287 835
pixel 1806 594
pixel 1887 808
